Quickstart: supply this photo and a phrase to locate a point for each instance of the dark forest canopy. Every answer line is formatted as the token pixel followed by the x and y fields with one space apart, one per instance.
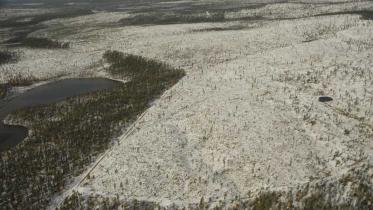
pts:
pixel 57 2
pixel 82 4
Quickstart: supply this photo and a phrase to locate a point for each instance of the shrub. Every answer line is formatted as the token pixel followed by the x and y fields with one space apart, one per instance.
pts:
pixel 20 79
pixel 159 18
pixel 34 42
pixel 3 90
pixel 36 19
pixel 8 57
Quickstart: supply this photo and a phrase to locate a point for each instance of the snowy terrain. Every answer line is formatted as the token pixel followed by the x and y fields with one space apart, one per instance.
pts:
pixel 246 118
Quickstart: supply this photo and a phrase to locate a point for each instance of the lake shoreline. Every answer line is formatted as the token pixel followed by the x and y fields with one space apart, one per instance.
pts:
pixel 10 124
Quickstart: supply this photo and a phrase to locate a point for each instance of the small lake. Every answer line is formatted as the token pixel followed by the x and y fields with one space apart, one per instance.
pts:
pixel 42 95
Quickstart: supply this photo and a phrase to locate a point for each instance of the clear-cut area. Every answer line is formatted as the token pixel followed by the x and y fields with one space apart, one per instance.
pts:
pixel 246 121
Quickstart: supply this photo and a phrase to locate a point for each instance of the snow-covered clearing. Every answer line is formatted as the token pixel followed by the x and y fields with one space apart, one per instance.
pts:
pixel 246 117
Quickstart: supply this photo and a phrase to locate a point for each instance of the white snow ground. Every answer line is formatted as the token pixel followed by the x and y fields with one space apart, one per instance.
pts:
pixel 246 117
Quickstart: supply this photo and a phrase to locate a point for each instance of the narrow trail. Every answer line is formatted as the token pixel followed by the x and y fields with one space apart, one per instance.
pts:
pixel 57 202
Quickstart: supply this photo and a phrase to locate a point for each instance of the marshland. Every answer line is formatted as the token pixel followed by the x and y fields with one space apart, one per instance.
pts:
pixel 205 104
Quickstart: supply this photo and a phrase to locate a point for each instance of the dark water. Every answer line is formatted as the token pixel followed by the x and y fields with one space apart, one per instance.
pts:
pixel 41 95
